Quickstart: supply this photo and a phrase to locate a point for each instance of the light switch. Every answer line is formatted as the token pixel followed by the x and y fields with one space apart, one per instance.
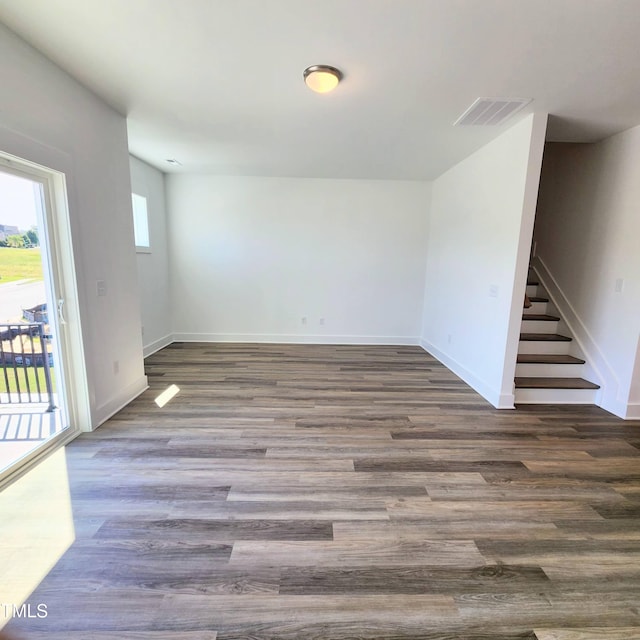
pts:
pixel 101 288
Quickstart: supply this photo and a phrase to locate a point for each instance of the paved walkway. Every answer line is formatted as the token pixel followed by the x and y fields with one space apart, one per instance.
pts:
pixel 19 295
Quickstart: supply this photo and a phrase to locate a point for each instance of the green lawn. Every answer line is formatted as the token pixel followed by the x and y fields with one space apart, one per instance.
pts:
pixel 20 264
pixel 31 376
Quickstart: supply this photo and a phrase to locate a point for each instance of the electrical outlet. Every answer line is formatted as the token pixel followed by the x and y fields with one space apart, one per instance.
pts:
pixel 619 286
pixel 493 290
pixel 303 320
pixel 322 321
pixel 449 338
pixel 116 367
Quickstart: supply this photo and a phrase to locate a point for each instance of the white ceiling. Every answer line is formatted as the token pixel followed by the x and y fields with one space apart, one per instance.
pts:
pixel 218 84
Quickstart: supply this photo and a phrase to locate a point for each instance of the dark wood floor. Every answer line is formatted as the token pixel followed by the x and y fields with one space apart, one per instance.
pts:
pixel 330 492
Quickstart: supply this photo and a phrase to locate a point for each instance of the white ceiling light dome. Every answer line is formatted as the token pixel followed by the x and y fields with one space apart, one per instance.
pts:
pixel 322 78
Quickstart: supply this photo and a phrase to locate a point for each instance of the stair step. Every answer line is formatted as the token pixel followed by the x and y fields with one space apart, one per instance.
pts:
pixel 545 372
pixel 544 337
pixel 554 383
pixel 543 317
pixel 548 358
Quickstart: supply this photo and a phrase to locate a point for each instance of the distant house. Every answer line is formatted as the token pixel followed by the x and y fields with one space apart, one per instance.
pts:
pixel 7 230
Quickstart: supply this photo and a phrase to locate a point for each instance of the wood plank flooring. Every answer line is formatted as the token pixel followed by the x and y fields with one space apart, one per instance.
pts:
pixel 343 492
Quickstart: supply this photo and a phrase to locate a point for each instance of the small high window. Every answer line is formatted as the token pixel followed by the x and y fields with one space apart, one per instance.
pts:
pixel 140 223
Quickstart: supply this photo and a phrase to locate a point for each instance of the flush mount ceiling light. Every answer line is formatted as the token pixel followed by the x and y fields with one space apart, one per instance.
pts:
pixel 322 78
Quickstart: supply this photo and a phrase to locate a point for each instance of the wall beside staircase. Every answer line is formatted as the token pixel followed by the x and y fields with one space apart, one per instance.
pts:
pixel 587 233
pixel 480 228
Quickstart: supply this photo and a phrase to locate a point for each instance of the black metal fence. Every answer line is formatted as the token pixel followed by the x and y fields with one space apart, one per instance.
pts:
pixel 25 365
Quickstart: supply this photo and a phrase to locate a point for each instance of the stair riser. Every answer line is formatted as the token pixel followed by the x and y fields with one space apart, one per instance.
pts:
pixel 539 326
pixel 534 347
pixel 555 396
pixel 532 290
pixel 547 370
pixel 536 307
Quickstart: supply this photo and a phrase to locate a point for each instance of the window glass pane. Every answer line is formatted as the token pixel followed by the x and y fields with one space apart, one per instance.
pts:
pixel 140 222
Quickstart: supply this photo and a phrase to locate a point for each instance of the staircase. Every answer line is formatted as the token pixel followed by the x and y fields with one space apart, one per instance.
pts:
pixel 549 367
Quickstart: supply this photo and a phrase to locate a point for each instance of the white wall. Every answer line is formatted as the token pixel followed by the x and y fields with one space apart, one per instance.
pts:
pixel 50 119
pixel 252 256
pixel 633 405
pixel 587 235
pixel 153 267
pixel 480 228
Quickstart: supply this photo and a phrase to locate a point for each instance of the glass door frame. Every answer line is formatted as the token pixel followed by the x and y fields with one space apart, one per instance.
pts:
pixel 61 286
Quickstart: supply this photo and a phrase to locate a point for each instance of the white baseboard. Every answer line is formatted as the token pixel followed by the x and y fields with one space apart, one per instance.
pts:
pixel 616 407
pixel 279 338
pixel 157 345
pixel 633 411
pixel 497 399
pixel 110 408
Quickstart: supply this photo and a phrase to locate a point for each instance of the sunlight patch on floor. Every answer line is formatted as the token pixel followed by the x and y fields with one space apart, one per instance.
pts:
pixel 36 528
pixel 167 395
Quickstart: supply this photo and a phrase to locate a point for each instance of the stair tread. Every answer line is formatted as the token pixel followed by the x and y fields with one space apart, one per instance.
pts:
pixel 544 337
pixel 532 283
pixel 547 358
pixel 554 383
pixel 539 316
pixel 538 299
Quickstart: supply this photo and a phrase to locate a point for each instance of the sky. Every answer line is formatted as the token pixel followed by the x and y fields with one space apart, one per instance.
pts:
pixel 17 202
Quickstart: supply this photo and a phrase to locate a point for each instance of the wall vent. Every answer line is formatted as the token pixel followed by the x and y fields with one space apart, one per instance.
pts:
pixel 491 111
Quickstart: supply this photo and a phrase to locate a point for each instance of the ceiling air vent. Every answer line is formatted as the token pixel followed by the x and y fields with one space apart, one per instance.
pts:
pixel 491 111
